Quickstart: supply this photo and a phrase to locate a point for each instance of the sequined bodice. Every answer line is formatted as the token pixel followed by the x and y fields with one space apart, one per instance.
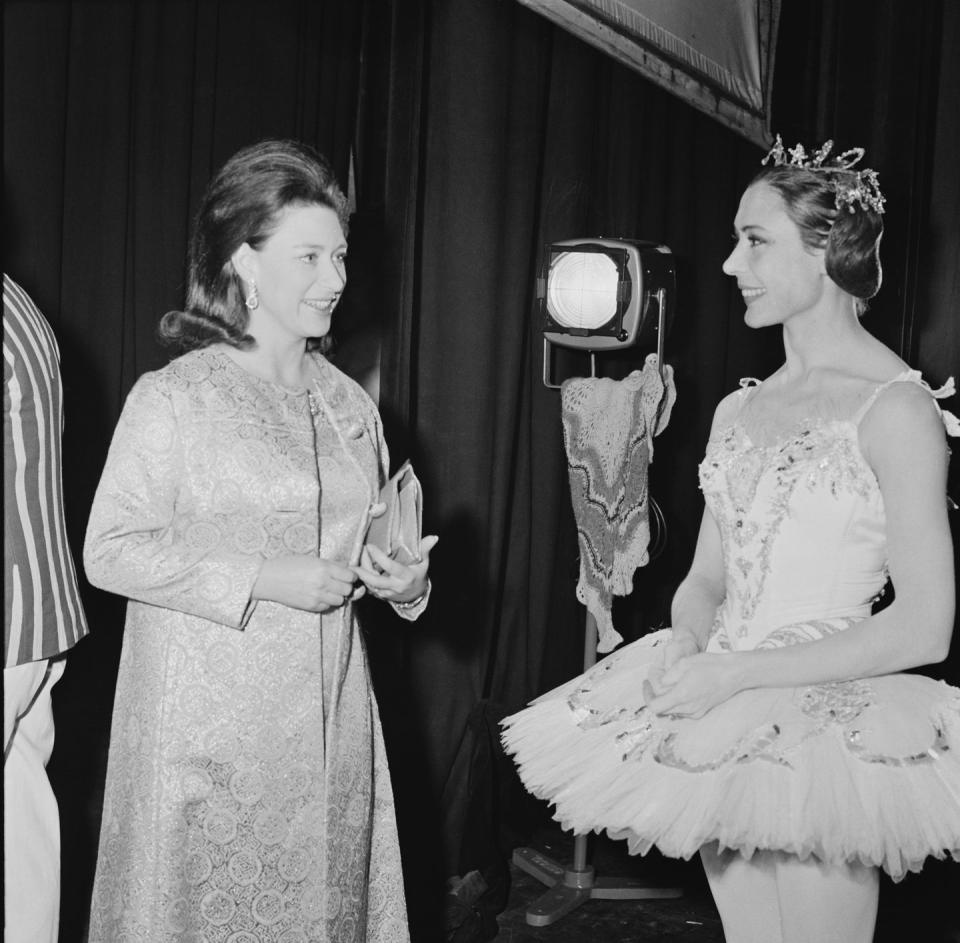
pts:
pixel 802 527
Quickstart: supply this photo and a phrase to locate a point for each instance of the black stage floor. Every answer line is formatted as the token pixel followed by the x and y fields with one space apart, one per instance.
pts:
pixel 923 908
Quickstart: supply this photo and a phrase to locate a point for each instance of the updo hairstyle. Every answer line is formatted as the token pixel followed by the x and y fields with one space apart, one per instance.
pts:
pixel 851 239
pixel 243 203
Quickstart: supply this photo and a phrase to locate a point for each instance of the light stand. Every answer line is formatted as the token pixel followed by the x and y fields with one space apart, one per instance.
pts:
pixel 569 887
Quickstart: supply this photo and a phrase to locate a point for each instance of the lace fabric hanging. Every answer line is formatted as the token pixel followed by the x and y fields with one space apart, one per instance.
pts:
pixel 608 430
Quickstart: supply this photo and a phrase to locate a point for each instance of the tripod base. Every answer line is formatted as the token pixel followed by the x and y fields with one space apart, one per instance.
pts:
pixel 570 888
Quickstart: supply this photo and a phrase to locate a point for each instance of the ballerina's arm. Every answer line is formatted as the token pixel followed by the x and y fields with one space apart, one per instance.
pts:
pixel 698 597
pixel 903 441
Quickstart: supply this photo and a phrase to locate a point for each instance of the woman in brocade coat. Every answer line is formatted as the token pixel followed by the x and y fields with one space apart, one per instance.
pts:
pixel 248 796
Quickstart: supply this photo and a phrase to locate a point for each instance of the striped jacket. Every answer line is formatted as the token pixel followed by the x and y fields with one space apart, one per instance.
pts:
pixel 42 612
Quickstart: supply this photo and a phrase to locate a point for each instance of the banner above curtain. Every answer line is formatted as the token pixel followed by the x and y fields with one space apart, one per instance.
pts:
pixel 717 56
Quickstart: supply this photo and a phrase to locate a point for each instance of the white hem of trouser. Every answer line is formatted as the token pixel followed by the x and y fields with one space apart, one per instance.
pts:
pixel 31 835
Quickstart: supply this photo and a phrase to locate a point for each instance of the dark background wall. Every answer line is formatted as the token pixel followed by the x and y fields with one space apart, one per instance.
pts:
pixel 479 132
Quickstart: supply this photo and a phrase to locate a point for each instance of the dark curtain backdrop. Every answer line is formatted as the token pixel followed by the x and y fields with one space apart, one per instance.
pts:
pixel 115 115
pixel 479 133
pixel 521 135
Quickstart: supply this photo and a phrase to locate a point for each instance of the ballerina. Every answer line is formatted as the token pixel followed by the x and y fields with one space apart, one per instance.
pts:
pixel 771 729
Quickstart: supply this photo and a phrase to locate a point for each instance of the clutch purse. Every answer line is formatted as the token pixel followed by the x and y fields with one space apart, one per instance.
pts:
pixel 397 531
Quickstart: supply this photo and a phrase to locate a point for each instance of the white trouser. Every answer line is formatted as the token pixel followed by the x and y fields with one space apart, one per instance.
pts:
pixel 777 898
pixel 31 825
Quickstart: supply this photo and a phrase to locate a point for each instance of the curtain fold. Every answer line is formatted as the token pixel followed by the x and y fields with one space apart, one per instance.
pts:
pixel 526 135
pixel 884 75
pixel 115 115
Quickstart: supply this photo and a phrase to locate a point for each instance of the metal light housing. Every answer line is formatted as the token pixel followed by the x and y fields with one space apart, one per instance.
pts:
pixel 599 294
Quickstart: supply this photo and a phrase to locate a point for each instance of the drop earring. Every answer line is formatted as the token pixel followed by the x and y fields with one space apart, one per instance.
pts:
pixel 252 301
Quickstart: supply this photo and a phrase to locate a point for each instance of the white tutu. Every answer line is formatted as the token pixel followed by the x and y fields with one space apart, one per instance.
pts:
pixel 863 771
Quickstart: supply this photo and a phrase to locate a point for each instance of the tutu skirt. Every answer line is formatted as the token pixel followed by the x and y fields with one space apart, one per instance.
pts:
pixel 865 770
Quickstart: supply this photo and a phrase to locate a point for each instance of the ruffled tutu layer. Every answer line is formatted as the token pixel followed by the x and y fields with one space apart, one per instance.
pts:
pixel 861 770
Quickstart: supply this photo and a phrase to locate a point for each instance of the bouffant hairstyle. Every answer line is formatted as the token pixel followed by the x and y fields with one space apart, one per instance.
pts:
pixel 243 203
pixel 851 239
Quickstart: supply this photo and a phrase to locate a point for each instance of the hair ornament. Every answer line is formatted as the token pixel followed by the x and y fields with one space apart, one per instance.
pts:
pixel 851 186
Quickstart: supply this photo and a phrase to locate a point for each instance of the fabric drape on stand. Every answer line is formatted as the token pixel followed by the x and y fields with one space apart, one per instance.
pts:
pixel 608 430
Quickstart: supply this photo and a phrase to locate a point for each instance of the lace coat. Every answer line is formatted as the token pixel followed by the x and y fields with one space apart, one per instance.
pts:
pixel 247 795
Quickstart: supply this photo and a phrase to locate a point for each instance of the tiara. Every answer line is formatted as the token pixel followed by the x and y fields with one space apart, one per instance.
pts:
pixel 850 186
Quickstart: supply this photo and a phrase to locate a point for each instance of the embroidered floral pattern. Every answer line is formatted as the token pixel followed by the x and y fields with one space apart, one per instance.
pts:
pixel 840 702
pixel 816 456
pixel 757 745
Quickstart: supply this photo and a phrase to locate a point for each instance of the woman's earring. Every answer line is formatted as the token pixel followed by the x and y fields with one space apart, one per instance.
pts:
pixel 252 301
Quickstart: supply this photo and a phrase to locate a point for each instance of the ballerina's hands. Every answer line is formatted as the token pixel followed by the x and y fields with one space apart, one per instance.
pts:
pixel 391 581
pixel 691 683
pixel 681 645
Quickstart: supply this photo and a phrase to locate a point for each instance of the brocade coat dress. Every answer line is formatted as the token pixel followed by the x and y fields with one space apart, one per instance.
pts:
pixel 248 797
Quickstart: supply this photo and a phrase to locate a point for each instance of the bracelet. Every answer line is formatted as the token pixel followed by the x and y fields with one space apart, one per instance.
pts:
pixel 412 604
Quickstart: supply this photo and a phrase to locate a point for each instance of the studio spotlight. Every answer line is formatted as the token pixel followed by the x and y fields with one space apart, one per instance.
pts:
pixel 600 294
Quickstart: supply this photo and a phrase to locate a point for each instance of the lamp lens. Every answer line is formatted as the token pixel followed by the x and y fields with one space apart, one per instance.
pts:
pixel 582 289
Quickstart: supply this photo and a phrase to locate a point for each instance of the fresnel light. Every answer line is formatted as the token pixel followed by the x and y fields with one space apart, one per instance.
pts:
pixel 600 294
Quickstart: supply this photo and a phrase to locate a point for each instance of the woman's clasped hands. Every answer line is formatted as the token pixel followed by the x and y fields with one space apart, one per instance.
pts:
pixel 305 582
pixel 691 682
pixel 391 581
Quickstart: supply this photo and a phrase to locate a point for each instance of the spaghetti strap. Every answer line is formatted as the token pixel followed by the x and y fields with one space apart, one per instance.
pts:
pixel 747 386
pixel 950 422
pixel 908 376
